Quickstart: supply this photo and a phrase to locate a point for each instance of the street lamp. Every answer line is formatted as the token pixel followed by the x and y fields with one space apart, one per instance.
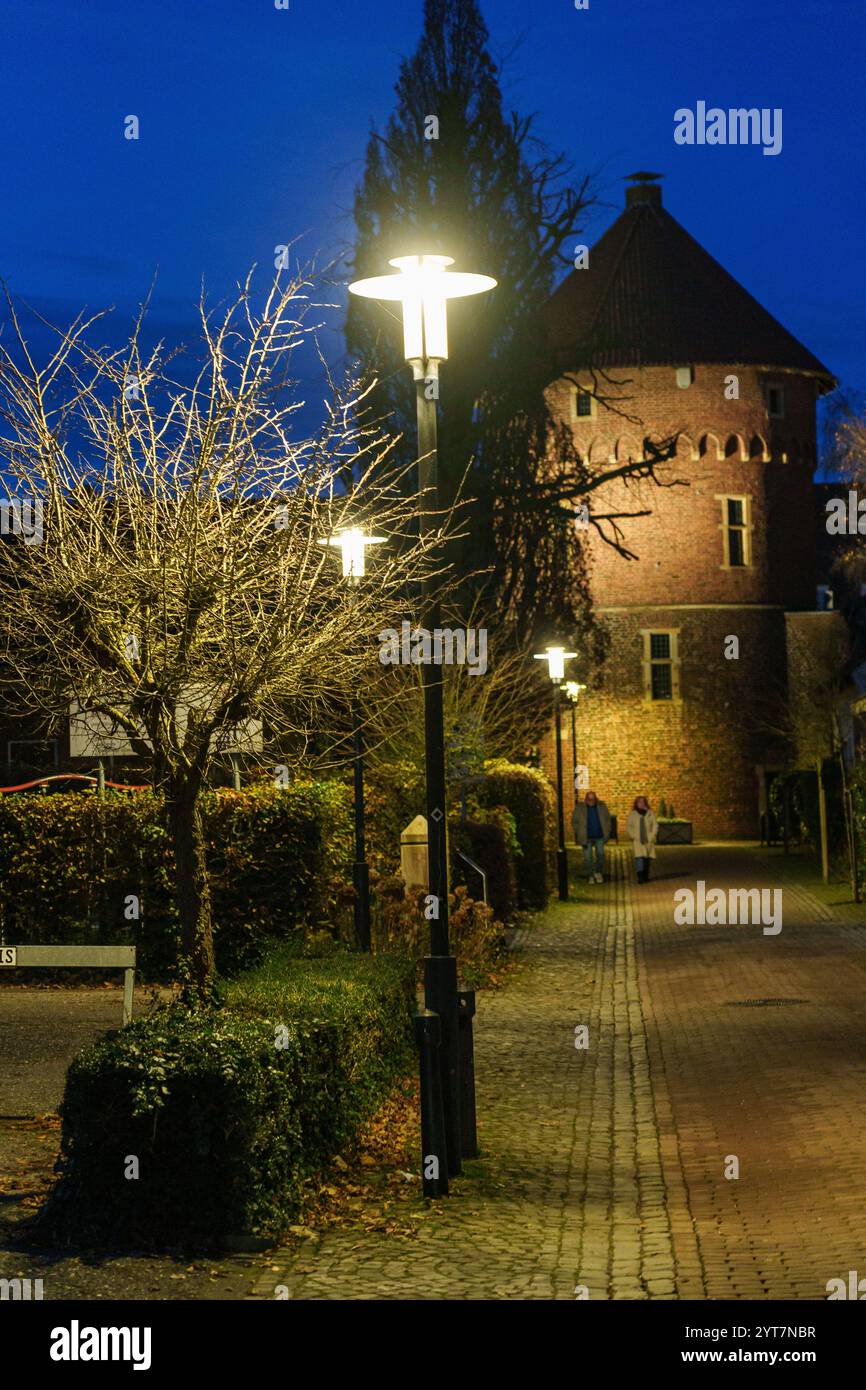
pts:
pixel 556 658
pixel 572 691
pixel 423 285
pixel 352 544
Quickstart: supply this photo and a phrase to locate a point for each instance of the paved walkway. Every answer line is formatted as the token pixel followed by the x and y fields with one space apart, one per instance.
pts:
pixel 604 1169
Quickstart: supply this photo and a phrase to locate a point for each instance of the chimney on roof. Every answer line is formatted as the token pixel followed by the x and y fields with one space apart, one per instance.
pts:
pixel 644 188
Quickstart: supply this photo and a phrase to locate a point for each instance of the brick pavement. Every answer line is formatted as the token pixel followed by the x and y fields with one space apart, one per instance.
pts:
pixel 604 1169
pixel 779 1085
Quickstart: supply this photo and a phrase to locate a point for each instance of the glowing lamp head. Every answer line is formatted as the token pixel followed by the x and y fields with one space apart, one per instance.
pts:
pixel 556 658
pixel 424 285
pixel 573 689
pixel 352 544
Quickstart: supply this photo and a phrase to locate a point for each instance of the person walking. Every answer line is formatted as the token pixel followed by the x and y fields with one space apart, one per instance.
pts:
pixel 591 823
pixel 642 829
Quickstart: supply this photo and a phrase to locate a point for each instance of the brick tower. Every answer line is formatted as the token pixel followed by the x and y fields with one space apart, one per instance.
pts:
pixel 655 341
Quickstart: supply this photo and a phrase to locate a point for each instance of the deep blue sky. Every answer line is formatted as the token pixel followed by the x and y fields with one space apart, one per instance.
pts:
pixel 254 122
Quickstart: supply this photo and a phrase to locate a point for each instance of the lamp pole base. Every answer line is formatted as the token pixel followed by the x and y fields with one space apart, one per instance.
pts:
pixel 440 996
pixel 562 874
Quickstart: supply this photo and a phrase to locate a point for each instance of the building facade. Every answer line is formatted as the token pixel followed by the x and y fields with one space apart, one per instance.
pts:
pixel 658 348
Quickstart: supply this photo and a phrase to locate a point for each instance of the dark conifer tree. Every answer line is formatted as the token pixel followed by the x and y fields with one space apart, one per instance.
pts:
pixel 454 173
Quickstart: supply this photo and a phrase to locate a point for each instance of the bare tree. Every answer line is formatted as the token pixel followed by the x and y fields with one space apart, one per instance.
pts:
pixel 181 587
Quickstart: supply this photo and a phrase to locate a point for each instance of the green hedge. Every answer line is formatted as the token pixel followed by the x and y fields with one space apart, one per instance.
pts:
pixel 394 794
pixel 804 814
pixel 527 794
pixel 278 858
pixel 227 1127
pixel 488 845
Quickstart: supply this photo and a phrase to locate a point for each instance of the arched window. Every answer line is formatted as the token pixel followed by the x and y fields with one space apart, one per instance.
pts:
pixel 758 448
pixel 734 447
pixel 708 446
pixel 628 447
pixel 600 451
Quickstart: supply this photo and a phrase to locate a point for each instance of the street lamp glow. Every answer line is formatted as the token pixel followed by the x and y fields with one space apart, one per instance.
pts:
pixel 573 689
pixel 424 286
pixel 556 658
pixel 353 546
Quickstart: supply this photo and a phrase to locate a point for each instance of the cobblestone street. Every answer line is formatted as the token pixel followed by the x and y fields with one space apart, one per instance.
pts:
pixel 603 1170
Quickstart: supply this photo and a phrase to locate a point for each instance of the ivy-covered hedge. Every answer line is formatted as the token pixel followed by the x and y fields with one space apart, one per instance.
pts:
pixel 527 794
pixel 493 846
pixel 228 1110
pixel 394 794
pixel 278 859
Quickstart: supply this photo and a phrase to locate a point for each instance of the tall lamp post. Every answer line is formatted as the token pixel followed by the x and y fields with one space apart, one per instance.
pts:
pixel 423 285
pixel 352 544
pixel 572 690
pixel 556 658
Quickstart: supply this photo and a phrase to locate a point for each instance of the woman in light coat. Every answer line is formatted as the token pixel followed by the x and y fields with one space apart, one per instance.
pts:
pixel 642 829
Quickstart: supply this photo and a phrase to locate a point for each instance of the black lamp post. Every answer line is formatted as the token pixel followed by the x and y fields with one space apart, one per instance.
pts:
pixel 556 658
pixel 353 544
pixel 424 285
pixel 572 690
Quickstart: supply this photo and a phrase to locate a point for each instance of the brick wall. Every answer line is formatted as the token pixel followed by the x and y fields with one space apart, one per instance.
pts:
pixel 699 752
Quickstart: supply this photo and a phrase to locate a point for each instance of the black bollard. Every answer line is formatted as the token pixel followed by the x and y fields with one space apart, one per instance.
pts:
pixel 440 995
pixel 468 1126
pixel 434 1155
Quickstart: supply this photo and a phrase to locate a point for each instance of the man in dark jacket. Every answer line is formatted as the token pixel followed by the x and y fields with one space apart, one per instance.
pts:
pixel 591 822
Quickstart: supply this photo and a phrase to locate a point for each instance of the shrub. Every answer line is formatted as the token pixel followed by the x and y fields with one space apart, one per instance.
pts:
pixel 226 1125
pixel 278 859
pixel 393 795
pixel 67 863
pixel 279 862
pixel 528 795
pixel 804 817
pixel 490 845
pixel 476 938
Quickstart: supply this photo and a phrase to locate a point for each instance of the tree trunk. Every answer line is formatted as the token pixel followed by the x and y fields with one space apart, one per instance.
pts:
pixel 192 890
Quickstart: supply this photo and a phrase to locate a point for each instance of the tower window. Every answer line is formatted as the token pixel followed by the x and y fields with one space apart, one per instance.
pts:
pixel 776 402
pixel 661 665
pixel 685 377
pixel 583 404
pixel 736 530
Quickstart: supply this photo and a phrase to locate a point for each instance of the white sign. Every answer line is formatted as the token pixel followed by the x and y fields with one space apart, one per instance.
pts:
pixel 93 735
pixel 581 777
pixel 8 955
pixel 96 735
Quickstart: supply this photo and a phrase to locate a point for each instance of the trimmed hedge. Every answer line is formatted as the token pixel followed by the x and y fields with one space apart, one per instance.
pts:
pixel 227 1126
pixel 488 844
pixel 527 794
pixel 394 794
pixel 278 859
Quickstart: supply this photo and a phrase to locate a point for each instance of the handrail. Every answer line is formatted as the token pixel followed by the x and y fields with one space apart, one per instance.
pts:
pixel 75 777
pixel 478 869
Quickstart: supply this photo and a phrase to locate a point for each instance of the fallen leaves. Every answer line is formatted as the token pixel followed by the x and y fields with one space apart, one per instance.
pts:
pixel 371 1188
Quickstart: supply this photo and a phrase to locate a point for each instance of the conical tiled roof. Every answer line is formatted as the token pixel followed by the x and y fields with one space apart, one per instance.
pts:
pixel 652 296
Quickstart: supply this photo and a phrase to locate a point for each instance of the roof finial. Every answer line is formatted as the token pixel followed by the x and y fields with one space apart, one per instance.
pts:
pixel 643 188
